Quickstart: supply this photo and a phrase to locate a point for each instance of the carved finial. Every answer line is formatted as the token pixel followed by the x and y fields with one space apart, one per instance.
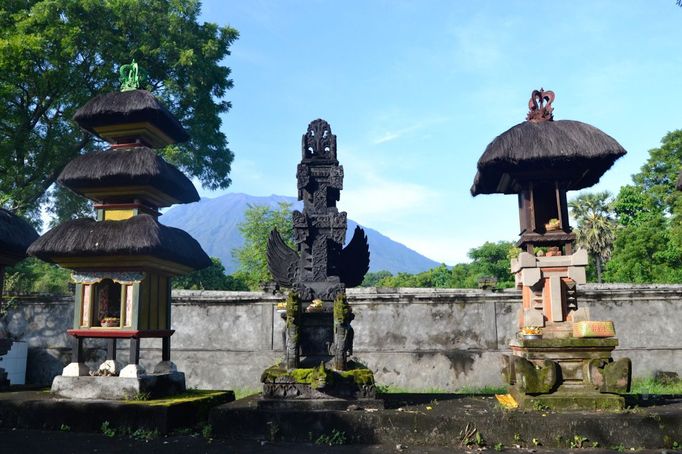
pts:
pixel 131 76
pixel 539 111
pixel 318 141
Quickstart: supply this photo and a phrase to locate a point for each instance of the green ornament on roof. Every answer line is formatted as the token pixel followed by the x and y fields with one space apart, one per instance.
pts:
pixel 130 76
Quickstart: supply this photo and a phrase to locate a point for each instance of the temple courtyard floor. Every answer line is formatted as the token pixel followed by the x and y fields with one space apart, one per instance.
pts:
pixel 35 421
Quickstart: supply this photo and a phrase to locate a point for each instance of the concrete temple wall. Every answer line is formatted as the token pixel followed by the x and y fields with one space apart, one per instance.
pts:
pixel 411 338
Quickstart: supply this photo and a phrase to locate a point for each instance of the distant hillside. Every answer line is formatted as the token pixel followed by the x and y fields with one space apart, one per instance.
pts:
pixel 214 223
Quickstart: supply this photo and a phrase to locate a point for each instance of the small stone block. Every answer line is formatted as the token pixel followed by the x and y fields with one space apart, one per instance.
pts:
pixel 577 273
pixel 165 367
pixel 530 276
pixel 132 371
pixel 76 370
pixel 591 328
pixel 579 258
pixel 527 260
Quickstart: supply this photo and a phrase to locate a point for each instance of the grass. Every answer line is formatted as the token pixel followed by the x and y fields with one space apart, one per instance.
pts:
pixel 651 386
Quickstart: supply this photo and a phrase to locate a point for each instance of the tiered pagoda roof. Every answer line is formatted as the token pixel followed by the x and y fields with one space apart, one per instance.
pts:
pixel 132 180
pixel 16 235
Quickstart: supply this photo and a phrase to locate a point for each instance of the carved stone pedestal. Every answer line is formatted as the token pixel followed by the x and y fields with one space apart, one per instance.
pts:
pixel 567 374
pixel 318 388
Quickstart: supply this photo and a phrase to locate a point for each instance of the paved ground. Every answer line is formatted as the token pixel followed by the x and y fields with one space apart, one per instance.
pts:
pixel 28 441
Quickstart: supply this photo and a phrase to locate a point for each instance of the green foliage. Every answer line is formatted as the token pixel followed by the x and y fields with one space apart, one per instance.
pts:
pixel 212 277
pixel 652 386
pixel 373 278
pixel 596 228
pixel 487 260
pixel 35 276
pixel 648 248
pixel 259 221
pixel 107 430
pixel 57 54
pixel 336 437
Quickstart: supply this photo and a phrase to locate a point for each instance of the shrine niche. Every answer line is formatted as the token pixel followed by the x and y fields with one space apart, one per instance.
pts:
pixel 318 335
pixel 123 261
pixel 560 355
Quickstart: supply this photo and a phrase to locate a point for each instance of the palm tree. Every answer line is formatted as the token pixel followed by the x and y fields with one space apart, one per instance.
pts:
pixel 596 227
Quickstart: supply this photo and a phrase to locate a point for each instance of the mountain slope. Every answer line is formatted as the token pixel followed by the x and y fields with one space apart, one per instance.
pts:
pixel 215 224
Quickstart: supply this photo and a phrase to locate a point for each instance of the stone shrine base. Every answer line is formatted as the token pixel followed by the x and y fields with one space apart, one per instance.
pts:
pixel 318 388
pixel 40 409
pixel 119 388
pixel 567 374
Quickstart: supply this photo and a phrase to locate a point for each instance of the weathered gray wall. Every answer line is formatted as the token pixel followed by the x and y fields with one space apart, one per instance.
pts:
pixel 412 338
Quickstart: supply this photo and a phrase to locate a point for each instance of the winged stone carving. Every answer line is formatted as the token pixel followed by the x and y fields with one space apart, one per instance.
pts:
pixel 354 260
pixel 282 260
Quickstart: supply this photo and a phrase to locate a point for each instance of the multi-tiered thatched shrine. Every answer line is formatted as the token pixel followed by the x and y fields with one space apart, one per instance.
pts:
pixel 124 260
pixel 16 235
pixel 561 358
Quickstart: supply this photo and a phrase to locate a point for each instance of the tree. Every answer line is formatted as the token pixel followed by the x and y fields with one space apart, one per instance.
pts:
pixel 35 276
pixel 487 260
pixel 258 223
pixel 649 246
pixel 596 227
pixel 373 278
pixel 212 277
pixel 57 54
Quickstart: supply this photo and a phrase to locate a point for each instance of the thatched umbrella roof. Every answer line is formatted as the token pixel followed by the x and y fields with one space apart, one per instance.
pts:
pixel 138 166
pixel 140 235
pixel 131 106
pixel 16 235
pixel 573 152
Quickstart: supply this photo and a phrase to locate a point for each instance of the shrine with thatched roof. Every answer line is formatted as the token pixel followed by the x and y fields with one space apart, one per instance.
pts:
pixel 561 357
pixel 123 260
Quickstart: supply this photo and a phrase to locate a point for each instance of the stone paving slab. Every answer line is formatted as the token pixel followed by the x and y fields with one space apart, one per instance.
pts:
pixel 39 409
pixel 445 419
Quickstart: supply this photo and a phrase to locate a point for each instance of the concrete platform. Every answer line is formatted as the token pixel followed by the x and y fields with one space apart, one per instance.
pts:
pixel 42 410
pixel 119 388
pixel 443 419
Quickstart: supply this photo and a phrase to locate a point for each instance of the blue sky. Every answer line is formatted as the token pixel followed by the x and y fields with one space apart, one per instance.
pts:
pixel 415 90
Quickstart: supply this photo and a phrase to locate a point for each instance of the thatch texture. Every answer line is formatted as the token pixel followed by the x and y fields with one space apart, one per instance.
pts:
pixel 129 107
pixel 139 235
pixel 16 235
pixel 569 151
pixel 139 166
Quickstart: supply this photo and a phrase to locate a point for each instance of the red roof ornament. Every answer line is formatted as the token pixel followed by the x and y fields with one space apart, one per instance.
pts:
pixel 539 111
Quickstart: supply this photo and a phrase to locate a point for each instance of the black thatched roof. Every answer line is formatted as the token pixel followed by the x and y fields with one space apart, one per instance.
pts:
pixel 139 235
pixel 120 167
pixel 16 235
pixel 570 151
pixel 129 107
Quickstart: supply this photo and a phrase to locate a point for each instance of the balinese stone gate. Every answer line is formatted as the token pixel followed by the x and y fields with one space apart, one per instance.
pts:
pixel 318 334
pixel 16 235
pixel 124 260
pixel 560 358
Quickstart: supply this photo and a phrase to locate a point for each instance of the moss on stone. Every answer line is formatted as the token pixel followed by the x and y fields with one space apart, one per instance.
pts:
pixel 192 395
pixel 342 309
pixel 359 376
pixel 317 377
